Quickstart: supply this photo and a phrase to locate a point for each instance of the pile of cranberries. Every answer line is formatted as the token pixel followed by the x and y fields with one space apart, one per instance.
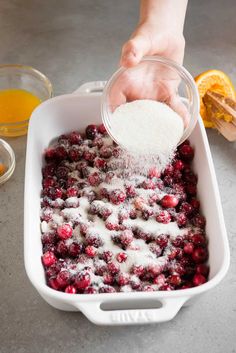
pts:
pixel 79 166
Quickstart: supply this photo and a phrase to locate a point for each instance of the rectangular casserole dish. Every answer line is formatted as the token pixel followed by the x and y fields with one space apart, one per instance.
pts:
pixel 74 112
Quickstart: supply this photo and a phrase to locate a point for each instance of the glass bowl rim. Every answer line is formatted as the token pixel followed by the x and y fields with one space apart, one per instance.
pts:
pixel 9 172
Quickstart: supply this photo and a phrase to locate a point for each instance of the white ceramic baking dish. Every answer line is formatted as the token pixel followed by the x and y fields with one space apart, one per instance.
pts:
pixel 75 111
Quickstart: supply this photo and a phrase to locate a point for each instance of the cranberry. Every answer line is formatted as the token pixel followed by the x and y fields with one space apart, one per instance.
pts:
pixel 195 204
pixel 160 280
pixel 198 239
pixel 89 156
pixel 48 182
pixel 91 132
pixel 107 255
pixel 175 280
pixel 75 249
pixel 122 279
pixel 98 142
pixel 168 170
pixel 64 231
pixel 107 289
pixel 49 154
pixel 82 279
pixel 126 237
pixel 188 248
pixel 62 248
pixel 72 192
pixel 198 279
pixel 70 289
pixel 108 278
pixel 94 240
pixel 48 170
pixel 49 258
pixel 190 178
pixel 53 193
pixel 117 196
pixel 162 240
pixel 52 282
pixel 101 164
pixel 199 255
pixel 178 165
pixel 155 249
pixel 75 138
pixel 186 208
pixel 113 268
pixel 163 217
pixel 48 238
pixel 148 184
pixel 169 201
pixel 63 278
pixel 191 189
pixel 102 129
pixel 173 252
pixel 121 257
pixel 178 241
pixel 75 154
pixel 71 182
pixel 148 288
pixel 186 152
pixel 62 172
pixel 199 221
pixel 168 180
pixel 91 290
pixel 166 287
pixel 90 251
pixel 202 269
pixel 60 153
pixel 153 270
pixel 94 179
pixel 138 270
pixel 181 219
pixel 105 152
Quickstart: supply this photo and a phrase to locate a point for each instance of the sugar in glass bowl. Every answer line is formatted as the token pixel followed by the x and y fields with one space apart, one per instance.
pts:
pixel 22 88
pixel 155 78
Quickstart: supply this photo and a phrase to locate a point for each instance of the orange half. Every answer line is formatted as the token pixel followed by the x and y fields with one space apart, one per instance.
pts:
pixel 217 81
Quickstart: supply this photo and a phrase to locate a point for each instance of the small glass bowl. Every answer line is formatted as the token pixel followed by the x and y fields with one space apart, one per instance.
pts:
pixel 29 79
pixel 168 77
pixel 7 158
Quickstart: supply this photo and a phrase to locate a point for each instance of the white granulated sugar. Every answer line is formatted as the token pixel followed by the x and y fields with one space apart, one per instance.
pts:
pixel 148 130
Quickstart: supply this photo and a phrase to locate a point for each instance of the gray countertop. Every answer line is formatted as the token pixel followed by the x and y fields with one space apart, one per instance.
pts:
pixel 73 42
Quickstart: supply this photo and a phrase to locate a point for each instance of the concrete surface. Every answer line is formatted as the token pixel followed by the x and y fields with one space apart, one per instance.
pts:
pixel 73 42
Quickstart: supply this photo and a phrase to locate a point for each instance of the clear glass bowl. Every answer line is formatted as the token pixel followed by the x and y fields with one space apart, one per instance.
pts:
pixel 7 159
pixel 28 79
pixel 155 78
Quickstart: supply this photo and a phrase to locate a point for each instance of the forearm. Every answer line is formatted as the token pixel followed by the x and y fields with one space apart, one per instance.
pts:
pixel 164 14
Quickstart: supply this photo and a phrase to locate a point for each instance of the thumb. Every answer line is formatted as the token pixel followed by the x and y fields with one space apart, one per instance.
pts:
pixel 134 50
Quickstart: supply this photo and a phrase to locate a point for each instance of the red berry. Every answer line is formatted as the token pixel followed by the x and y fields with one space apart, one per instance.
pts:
pixel 82 280
pixel 126 237
pixel 91 290
pixel 154 173
pixel 99 163
pixel 102 129
pixel 70 289
pixel 94 179
pixel 49 258
pixel 60 153
pixel 108 278
pixel 121 257
pixel 191 189
pixel 48 182
pixel 169 201
pixel 169 170
pixel 63 278
pixel 122 279
pixel 52 282
pixel 107 256
pixel 113 268
pixel 64 231
pixel 166 287
pixel 138 270
pixel 62 248
pixel 175 280
pixel 181 219
pixel 202 269
pixel 178 165
pixel 75 249
pixel 160 280
pixel 199 255
pixel 195 204
pixel 188 248
pixel 90 251
pixel 50 154
pixel 72 192
pixel 91 131
pixel 198 239
pixel 163 217
pixel 117 196
pixel 199 221
pixel 186 152
pixel 198 279
pixel 75 138
pixel 162 240
pixel 186 208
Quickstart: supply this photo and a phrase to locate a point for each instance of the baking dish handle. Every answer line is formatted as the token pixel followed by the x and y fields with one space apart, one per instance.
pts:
pixel 93 87
pixel 168 310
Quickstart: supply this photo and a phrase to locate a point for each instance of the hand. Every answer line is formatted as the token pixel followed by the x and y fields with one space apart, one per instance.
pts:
pixel 155 82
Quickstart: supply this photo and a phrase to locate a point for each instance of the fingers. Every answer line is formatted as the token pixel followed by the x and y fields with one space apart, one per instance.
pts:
pixel 134 50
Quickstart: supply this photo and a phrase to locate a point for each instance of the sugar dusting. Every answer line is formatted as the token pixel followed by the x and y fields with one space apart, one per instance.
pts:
pixel 148 131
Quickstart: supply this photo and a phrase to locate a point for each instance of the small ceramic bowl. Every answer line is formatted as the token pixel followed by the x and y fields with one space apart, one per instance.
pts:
pixel 7 160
